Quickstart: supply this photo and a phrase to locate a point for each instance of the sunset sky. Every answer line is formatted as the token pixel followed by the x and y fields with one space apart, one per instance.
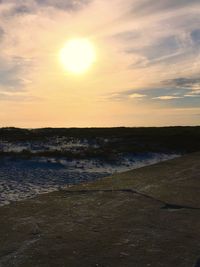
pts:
pixel 146 70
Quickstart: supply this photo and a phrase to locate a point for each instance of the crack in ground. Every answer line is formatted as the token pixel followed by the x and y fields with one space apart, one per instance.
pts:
pixel 167 206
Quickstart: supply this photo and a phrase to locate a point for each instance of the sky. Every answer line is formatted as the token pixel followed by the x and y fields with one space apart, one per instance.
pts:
pixel 146 72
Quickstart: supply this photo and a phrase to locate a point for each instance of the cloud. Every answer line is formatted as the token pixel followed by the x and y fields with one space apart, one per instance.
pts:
pixel 164 37
pixel 182 82
pixel 150 93
pixel 136 95
pixel 195 93
pixel 190 85
pixel 125 96
pixel 19 10
pixel 172 101
pixel 63 4
pixel 192 95
pixel 164 47
pixel 149 7
pixel 177 88
pixel 178 92
pixel 163 50
pixel 195 35
pixel 12 74
pixel 23 8
pixel 2 32
pixel 12 97
pixel 167 97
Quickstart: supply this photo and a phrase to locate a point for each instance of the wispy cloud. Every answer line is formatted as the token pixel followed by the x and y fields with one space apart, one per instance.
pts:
pixel 64 4
pixel 167 97
pixel 1 34
pixel 190 85
pixel 183 82
pixel 178 92
pixel 195 34
pixel 13 74
pixel 136 95
pixel 13 97
pixel 150 7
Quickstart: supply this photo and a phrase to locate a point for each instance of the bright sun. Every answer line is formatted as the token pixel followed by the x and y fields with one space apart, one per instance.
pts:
pixel 77 55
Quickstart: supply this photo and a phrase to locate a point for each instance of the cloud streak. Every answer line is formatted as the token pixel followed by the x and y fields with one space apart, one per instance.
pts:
pixel 167 97
pixel 67 5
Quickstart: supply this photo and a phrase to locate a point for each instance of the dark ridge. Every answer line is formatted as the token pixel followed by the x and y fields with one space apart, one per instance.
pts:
pixel 121 139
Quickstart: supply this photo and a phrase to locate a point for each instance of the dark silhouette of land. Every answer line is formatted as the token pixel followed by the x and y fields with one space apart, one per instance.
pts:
pixel 110 141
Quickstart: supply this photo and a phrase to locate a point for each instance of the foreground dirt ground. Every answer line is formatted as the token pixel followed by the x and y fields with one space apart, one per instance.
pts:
pixel 145 217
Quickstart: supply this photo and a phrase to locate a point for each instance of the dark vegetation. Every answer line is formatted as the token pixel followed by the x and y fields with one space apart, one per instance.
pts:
pixel 110 141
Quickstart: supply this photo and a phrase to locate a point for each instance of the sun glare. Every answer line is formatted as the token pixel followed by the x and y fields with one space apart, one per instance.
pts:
pixel 77 55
